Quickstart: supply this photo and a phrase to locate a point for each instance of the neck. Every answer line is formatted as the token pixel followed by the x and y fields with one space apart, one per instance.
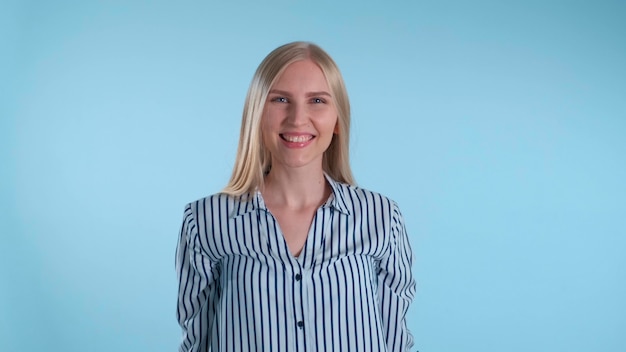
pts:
pixel 296 189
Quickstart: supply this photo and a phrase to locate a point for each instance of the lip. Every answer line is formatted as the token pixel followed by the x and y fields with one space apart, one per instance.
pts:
pixel 307 139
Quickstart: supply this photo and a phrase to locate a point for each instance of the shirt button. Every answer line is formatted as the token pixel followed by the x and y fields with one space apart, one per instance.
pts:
pixel 298 277
pixel 300 324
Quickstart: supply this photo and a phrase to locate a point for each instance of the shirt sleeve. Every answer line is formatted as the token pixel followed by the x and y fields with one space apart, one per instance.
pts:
pixel 197 288
pixel 396 286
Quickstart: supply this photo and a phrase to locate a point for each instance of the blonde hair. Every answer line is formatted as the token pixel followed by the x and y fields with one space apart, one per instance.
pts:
pixel 253 159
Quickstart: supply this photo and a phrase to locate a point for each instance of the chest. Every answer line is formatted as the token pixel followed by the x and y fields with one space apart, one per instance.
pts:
pixel 325 236
pixel 294 227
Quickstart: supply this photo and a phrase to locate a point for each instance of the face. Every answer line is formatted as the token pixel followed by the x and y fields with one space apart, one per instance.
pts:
pixel 299 118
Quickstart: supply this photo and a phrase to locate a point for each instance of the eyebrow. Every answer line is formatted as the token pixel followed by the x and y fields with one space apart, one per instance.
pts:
pixel 309 94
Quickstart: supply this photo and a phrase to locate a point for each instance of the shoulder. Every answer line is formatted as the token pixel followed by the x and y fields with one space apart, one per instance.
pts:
pixel 211 199
pixel 217 206
pixel 358 200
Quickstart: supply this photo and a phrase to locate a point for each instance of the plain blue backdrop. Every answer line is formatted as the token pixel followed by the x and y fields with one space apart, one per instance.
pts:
pixel 498 126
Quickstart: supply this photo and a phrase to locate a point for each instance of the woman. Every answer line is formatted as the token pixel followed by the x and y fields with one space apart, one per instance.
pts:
pixel 291 255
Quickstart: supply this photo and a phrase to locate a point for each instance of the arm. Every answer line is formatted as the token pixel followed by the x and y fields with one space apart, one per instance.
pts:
pixel 396 286
pixel 197 288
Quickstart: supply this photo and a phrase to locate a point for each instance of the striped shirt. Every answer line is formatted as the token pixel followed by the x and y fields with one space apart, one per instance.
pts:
pixel 241 289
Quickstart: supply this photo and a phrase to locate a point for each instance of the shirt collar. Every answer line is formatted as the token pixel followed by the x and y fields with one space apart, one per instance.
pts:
pixel 337 199
pixel 251 202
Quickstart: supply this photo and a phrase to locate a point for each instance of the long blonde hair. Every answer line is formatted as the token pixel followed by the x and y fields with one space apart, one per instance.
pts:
pixel 253 159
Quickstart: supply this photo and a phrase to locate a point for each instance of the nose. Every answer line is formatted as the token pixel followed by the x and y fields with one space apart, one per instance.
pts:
pixel 297 114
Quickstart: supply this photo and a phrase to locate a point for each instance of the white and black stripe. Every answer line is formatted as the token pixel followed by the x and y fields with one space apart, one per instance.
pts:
pixel 241 289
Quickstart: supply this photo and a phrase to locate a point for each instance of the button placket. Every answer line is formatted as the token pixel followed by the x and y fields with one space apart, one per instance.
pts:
pixel 299 313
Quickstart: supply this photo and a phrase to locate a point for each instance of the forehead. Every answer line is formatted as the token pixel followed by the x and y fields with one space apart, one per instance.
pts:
pixel 302 73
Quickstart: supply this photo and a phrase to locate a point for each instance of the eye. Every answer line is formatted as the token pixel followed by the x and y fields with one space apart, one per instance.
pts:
pixel 318 101
pixel 280 100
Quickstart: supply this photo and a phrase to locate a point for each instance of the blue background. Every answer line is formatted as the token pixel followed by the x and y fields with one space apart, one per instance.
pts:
pixel 498 126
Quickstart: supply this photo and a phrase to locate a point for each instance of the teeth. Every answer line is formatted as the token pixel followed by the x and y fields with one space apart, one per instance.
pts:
pixel 297 139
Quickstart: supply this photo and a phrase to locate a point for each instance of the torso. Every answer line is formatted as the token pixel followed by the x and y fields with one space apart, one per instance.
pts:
pixel 295 226
pixel 238 243
pixel 295 222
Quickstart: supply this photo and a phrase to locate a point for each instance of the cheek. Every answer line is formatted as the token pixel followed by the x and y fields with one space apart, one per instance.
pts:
pixel 266 123
pixel 264 133
pixel 270 118
pixel 333 123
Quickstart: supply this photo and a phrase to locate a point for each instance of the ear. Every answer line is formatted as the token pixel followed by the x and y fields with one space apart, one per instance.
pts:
pixel 336 130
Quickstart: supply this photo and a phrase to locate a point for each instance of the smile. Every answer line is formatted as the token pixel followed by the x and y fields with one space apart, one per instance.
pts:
pixel 297 138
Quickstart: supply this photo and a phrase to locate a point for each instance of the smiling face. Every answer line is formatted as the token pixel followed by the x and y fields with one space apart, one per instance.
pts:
pixel 299 118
